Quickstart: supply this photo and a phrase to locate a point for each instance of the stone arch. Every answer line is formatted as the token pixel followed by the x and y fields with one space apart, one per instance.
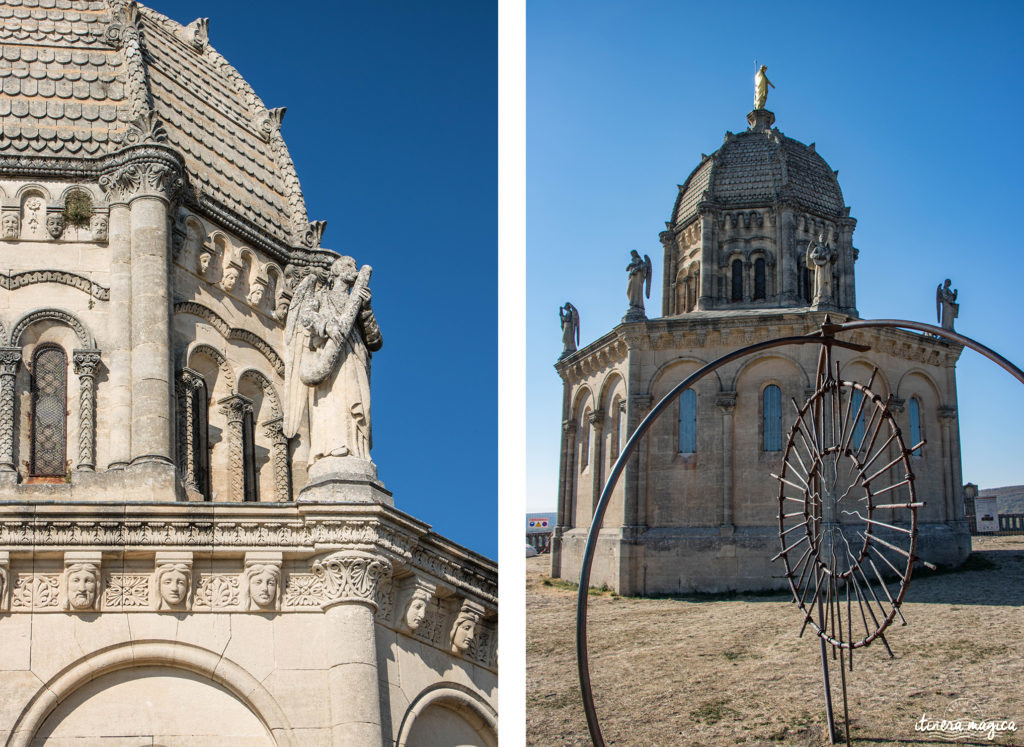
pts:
pixel 608 386
pixel 268 388
pixel 58 315
pixel 270 444
pixel 231 333
pixel 171 654
pixel 32 187
pixel 583 396
pixel 755 360
pixel 660 371
pixel 219 357
pixel 462 701
pixel 899 390
pixel 70 190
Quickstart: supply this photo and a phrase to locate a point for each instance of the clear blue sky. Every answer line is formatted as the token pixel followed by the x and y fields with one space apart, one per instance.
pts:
pixel 392 124
pixel 916 104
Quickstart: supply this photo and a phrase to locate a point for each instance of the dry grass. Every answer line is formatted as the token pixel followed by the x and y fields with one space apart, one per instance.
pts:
pixel 732 670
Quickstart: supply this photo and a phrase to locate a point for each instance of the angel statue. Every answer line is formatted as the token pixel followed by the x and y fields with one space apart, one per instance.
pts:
pixel 946 307
pixel 638 285
pixel 570 319
pixel 329 334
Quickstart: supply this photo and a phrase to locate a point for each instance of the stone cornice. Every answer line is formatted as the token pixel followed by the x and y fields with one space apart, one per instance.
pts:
pixel 215 529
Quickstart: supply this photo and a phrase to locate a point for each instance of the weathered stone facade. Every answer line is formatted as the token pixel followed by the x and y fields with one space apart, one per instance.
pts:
pixel 696 507
pixel 159 532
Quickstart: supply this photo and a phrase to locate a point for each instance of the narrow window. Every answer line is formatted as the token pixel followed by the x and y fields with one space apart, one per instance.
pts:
pixel 585 441
pixel 49 412
pixel 250 477
pixel 915 424
pixel 772 412
pixel 808 290
pixel 737 280
pixel 858 427
pixel 616 435
pixel 622 425
pixel 688 422
pixel 759 293
pixel 200 405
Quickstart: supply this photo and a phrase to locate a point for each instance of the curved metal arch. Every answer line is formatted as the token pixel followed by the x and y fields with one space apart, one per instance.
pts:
pixel 58 315
pixel 660 371
pixel 734 380
pixel 823 336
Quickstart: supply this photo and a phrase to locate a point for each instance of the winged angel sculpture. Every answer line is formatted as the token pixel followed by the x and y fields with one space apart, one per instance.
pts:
pixel 329 334
pixel 639 281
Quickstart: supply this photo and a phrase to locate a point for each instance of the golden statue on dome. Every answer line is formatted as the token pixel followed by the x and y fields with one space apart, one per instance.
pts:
pixel 761 84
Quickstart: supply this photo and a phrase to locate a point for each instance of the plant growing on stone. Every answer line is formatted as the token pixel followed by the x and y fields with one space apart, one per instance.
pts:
pixel 78 209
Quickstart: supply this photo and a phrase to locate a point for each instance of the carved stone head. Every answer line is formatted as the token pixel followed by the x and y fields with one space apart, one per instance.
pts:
pixel 171 586
pixel 81 586
pixel 260 588
pixel 230 278
pixel 344 268
pixel 417 600
pixel 11 225
pixel 255 296
pixel 464 630
pixel 99 227
pixel 55 225
pixel 281 309
pixel 204 262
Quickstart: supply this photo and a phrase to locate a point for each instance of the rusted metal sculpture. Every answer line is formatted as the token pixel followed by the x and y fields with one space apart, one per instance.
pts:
pixel 847 506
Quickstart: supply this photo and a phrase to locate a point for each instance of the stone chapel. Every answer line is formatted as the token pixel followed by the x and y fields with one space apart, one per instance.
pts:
pixel 195 547
pixel 696 508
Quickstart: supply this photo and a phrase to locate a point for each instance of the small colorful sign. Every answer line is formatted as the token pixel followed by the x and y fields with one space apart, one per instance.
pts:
pixel 537 523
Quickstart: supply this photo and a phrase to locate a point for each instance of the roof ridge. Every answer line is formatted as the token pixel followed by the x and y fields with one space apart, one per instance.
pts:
pixel 125 33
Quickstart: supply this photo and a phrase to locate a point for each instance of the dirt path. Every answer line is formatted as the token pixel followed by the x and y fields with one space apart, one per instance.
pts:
pixel 732 671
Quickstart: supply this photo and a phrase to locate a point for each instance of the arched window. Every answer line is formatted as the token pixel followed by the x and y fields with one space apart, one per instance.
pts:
pixel 199 439
pixel 49 412
pixel 806 280
pixel 585 440
pixel 616 434
pixel 858 427
pixel 759 280
pixel 737 280
pixel 771 406
pixel 914 408
pixel 250 476
pixel 688 422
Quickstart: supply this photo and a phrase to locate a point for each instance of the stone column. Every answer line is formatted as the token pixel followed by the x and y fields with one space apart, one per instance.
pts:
pixel 235 406
pixel 351 581
pixel 726 402
pixel 9 360
pixel 596 420
pixel 85 367
pixel 668 266
pixel 274 430
pixel 633 477
pixel 188 382
pixel 119 330
pixel 947 416
pixel 708 268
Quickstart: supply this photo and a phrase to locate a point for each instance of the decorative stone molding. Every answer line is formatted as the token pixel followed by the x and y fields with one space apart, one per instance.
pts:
pixel 274 430
pixel 36 592
pixel 314 235
pixel 725 401
pixel 10 358
pixel 231 333
pixel 186 386
pixel 143 179
pixel 216 592
pixel 5 580
pixel 85 368
pixel 351 576
pixel 31 277
pixel 171 585
pixel 85 338
pixel 126 591
pixel 145 129
pixel 81 582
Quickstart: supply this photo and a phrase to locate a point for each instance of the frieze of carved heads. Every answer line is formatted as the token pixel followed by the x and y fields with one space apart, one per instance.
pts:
pixel 260 586
pixel 55 225
pixel 351 576
pixel 81 582
pixel 171 584
pixel 98 225
pixel 10 225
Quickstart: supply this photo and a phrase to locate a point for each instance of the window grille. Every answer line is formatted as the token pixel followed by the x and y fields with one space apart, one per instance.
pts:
pixel 49 412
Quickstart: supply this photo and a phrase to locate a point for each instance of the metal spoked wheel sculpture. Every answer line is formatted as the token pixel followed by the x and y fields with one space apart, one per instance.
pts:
pixel 847 506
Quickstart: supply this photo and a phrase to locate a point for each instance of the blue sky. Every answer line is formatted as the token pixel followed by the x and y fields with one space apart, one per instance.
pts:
pixel 916 104
pixel 392 124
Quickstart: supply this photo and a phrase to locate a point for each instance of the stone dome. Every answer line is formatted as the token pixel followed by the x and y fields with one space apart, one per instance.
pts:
pixel 77 76
pixel 760 167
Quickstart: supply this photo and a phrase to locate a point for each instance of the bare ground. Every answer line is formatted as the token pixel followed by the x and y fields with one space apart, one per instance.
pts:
pixel 733 671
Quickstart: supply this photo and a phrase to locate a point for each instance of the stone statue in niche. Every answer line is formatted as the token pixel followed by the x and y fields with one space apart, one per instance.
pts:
pixel 946 307
pixel 98 225
pixel 639 270
pixel 417 599
pixel 329 334
pixel 55 225
pixel 260 587
pixel 80 586
pixel 11 226
pixel 33 220
pixel 171 586
pixel 464 630
pixel 570 319
pixel 820 258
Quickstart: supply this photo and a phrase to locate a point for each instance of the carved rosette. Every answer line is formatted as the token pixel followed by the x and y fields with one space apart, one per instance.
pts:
pixel 9 360
pixel 143 172
pixel 352 576
pixel 85 367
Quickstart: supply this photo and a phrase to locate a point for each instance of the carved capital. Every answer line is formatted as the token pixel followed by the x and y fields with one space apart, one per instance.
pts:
pixel 86 362
pixel 144 175
pixel 9 360
pixel 568 426
pixel 641 402
pixel 596 419
pixel 896 404
pixel 351 576
pixel 947 413
pixel 235 407
pixel 726 402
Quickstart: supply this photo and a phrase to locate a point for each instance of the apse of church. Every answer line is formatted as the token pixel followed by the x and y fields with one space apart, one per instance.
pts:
pixel 190 504
pixel 759 245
